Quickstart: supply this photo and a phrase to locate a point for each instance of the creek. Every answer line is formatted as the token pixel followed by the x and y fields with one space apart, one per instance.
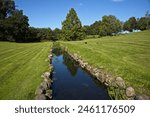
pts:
pixel 71 82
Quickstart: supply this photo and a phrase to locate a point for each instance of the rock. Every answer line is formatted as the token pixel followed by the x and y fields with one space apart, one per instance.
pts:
pixel 97 75
pixel 142 97
pixel 100 77
pixel 46 75
pixel 85 64
pixel 75 55
pixel 95 70
pixel 45 85
pixel 41 97
pixel 130 92
pixel 49 93
pixel 110 80
pixel 106 84
pixel 82 64
pixel 120 82
pixel 50 56
pixel 47 80
pixel 39 90
pixel 88 68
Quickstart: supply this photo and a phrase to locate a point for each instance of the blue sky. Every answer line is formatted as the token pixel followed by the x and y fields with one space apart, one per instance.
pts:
pixel 50 13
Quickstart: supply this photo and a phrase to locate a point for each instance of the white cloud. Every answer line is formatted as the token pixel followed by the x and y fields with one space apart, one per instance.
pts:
pixel 117 0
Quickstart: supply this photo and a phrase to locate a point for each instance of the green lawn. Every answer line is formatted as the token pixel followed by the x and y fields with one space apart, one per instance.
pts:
pixel 127 56
pixel 21 67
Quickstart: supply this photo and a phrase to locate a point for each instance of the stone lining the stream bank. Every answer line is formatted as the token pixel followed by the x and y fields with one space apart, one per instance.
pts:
pixel 44 91
pixel 108 79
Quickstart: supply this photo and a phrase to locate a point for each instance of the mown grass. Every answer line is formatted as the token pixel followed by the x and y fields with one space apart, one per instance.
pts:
pixel 127 56
pixel 21 67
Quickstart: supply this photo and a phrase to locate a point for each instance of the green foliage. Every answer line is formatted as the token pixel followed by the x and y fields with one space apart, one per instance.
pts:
pixel 93 29
pixel 17 26
pixel 144 23
pixel 44 34
pixel 40 34
pixel 127 56
pixel 110 25
pixel 71 27
pixel 21 67
pixel 13 24
pixel 6 8
pixel 56 34
pixel 130 24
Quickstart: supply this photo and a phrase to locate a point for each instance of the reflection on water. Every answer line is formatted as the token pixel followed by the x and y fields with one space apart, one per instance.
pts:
pixel 73 83
pixel 70 64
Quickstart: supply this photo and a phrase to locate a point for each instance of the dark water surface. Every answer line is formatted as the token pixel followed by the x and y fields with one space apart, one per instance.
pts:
pixel 73 83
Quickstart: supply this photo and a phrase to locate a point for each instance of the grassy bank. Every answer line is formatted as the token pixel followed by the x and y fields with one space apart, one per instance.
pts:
pixel 127 56
pixel 21 66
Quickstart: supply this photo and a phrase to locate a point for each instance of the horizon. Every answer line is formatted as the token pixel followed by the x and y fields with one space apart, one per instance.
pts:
pixel 50 14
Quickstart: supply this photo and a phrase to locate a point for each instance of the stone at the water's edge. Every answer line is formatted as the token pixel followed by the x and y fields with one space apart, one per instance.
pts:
pixel 110 81
pixel 95 70
pixel 142 97
pixel 130 92
pixel 50 55
pixel 100 77
pixel 75 56
pixel 48 80
pixel 120 82
pixel 46 75
pixel 88 67
pixel 45 85
pixel 39 90
pixel 49 93
pixel 40 97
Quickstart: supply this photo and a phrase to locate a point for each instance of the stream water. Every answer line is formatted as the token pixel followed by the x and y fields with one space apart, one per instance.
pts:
pixel 70 82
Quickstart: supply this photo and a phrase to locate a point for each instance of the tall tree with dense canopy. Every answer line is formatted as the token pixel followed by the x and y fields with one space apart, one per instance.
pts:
pixel 72 27
pixel 95 27
pixel 109 25
pixel 6 8
pixel 144 23
pixel 18 26
pixel 13 24
pixel 130 24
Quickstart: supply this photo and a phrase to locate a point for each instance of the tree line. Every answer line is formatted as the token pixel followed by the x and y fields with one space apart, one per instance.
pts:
pixel 14 26
pixel 110 25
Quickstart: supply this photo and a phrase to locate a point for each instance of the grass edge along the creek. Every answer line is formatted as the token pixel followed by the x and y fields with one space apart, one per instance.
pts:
pixel 127 56
pixel 21 67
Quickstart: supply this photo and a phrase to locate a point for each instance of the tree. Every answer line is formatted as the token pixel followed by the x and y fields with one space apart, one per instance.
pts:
pixel 6 8
pixel 13 24
pixel 72 27
pixel 44 34
pixel 95 28
pixel 32 35
pixel 130 24
pixel 39 34
pixel 109 25
pixel 144 23
pixel 87 29
pixel 17 26
pixel 56 34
